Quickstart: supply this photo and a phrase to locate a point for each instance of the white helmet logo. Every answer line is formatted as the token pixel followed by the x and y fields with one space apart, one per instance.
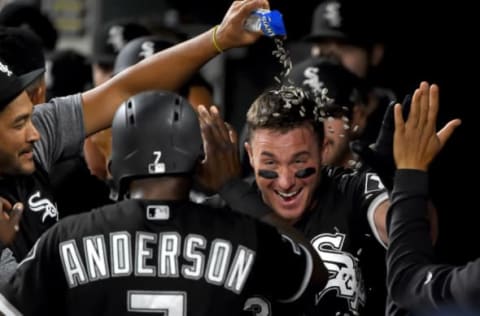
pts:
pixel 332 14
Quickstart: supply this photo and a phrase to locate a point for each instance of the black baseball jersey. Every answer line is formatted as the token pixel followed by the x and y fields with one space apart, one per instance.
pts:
pixel 142 257
pixel 339 230
pixel 60 124
pixel 75 189
pixel 40 212
pixel 415 282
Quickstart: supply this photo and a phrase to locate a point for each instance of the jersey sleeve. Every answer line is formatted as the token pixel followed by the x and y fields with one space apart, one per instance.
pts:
pixel 8 265
pixel 285 267
pixel 35 288
pixel 413 280
pixel 366 192
pixel 60 124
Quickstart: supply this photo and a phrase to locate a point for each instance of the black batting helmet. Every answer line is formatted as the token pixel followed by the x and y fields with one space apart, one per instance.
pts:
pixel 154 133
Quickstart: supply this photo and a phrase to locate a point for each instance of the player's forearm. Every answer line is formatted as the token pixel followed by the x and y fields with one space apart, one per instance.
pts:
pixel 166 70
pixel 414 281
pixel 408 228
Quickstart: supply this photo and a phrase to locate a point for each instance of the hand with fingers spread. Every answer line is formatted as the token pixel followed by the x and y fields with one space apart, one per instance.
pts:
pixel 221 162
pixel 9 219
pixel 415 282
pixel 416 141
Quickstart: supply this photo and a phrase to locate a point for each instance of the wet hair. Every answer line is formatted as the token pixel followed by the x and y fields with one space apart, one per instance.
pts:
pixel 284 109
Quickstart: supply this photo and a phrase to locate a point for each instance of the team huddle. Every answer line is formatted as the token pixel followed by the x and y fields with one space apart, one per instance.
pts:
pixel 305 232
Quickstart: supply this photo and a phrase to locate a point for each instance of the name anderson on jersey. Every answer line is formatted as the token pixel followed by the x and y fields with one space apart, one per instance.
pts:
pixel 217 268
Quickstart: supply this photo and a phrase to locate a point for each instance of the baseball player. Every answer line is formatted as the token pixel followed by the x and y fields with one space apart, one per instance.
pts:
pixel 341 212
pixel 156 252
pixel 415 282
pixel 345 97
pixel 33 139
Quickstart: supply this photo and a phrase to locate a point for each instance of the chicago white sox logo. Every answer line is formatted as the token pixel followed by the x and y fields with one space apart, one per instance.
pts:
pixel 115 37
pixel 344 274
pixel 36 204
pixel 4 68
pixel 332 14
pixel 148 49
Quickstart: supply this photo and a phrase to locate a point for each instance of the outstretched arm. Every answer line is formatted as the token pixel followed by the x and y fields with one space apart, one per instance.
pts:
pixel 170 68
pixel 413 280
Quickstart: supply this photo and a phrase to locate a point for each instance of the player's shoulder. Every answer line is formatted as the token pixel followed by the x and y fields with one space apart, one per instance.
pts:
pixel 88 221
pixel 225 220
pixel 338 177
pixel 349 180
pixel 222 214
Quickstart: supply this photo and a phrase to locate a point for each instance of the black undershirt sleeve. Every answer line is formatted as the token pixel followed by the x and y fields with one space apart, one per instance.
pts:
pixel 415 282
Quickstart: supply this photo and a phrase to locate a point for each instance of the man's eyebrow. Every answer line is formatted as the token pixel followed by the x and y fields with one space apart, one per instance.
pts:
pixel 21 118
pixel 267 153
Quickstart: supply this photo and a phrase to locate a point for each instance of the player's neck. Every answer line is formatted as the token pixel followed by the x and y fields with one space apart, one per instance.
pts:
pixel 161 188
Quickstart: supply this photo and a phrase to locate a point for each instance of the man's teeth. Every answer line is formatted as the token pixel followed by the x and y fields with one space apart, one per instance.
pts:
pixel 287 195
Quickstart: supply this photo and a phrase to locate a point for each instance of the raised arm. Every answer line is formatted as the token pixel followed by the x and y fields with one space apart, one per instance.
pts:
pixel 170 68
pixel 414 282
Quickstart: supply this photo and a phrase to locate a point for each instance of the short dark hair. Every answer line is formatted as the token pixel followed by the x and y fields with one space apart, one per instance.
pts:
pixel 284 109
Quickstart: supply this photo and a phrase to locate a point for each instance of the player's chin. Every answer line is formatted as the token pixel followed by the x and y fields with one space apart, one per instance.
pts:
pixel 290 215
pixel 27 167
pixel 291 211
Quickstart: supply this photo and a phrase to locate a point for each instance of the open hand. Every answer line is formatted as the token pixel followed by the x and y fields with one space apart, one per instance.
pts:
pixel 416 141
pixel 222 161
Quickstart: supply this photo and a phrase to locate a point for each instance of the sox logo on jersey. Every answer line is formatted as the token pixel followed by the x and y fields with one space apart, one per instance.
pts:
pixel 37 204
pixel 344 274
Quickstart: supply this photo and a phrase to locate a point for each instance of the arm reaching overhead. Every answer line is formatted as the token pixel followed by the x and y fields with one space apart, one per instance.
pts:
pixel 413 280
pixel 170 68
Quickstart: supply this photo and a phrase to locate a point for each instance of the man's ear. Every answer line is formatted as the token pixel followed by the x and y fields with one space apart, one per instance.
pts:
pixel 109 167
pixel 248 148
pixel 38 95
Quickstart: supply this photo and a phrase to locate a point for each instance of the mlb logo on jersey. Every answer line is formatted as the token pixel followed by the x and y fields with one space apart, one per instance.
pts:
pixel 373 183
pixel 158 212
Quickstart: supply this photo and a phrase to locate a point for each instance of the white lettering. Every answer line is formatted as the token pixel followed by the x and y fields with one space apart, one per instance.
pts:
pixel 72 264
pixel 190 253
pixel 240 269
pixel 217 261
pixel 93 263
pixel 169 249
pixel 143 253
pixel 121 254
pixel 96 257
